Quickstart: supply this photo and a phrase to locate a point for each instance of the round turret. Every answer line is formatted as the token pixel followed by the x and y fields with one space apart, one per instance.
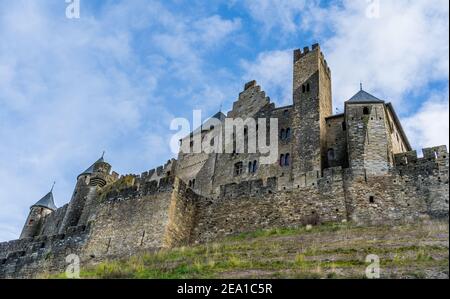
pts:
pixel 38 212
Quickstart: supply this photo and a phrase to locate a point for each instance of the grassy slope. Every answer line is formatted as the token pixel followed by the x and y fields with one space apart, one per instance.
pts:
pixel 329 251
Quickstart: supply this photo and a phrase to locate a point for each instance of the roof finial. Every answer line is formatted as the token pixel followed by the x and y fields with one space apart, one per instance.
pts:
pixel 103 154
pixel 51 190
pixel 220 108
pixel 360 86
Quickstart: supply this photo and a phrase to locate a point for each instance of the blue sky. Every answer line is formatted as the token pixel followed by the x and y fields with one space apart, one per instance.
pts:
pixel 115 78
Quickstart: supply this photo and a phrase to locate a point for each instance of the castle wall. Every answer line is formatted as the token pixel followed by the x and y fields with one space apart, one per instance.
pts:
pixel 52 223
pixel 29 257
pixel 253 205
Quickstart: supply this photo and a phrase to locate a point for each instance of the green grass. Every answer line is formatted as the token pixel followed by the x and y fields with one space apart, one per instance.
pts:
pixel 328 251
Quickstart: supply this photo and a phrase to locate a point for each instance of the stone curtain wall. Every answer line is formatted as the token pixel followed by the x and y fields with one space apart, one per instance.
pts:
pixel 27 258
pixel 250 206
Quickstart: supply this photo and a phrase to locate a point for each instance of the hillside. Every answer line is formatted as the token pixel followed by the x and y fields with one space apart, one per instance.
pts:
pixel 328 251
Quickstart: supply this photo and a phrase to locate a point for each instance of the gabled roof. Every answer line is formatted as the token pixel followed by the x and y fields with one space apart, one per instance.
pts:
pixel 364 97
pixel 46 202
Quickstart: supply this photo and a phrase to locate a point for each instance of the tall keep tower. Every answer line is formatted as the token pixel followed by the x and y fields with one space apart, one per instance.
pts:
pixel 38 212
pixel 97 175
pixel 312 104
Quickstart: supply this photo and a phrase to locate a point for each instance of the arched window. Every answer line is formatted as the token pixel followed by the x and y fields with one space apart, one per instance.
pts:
pixel 307 88
pixel 303 88
pixel 366 110
pixel 281 160
pixel 193 183
pixel 282 134
pixel 190 184
pixel 250 167
pixel 255 166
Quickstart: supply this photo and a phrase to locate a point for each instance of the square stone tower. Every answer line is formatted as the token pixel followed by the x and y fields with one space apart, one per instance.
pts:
pixel 312 105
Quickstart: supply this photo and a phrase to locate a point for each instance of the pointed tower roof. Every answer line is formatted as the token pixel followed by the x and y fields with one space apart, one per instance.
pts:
pixel 364 97
pixel 90 170
pixel 47 201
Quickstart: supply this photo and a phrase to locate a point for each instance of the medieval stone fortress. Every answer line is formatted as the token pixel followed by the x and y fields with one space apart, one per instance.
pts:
pixel 357 166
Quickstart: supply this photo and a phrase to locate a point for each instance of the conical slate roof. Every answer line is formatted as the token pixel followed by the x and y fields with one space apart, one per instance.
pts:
pixel 46 202
pixel 364 97
pixel 90 170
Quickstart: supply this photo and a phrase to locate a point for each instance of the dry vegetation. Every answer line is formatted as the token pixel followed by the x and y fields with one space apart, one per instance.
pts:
pixel 328 251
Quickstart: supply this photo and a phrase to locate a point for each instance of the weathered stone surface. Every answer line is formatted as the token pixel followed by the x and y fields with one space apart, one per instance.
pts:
pixel 357 166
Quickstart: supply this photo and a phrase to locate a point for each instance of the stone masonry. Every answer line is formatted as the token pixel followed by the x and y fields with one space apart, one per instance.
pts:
pixel 356 166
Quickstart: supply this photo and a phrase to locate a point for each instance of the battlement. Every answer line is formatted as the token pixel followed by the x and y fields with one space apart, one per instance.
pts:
pixel 140 190
pixel 158 172
pixel 299 54
pixel 437 154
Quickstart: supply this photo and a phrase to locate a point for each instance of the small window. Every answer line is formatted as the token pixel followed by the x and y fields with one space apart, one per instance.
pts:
pixel 255 166
pixel 330 154
pixel 287 160
pixel 250 167
pixel 282 136
pixel 281 160
pixel 371 199
pixel 366 111
pixel 344 126
pixel 288 133
pixel 307 88
pixel 303 88
pixel 212 142
pixel 193 183
pixel 238 167
pixel 286 112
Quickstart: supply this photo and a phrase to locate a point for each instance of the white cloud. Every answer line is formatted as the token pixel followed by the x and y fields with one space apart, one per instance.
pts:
pixel 273 72
pixel 72 88
pixel 398 53
pixel 429 126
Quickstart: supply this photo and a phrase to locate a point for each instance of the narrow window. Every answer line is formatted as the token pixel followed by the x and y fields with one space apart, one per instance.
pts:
pixel 255 166
pixel 307 88
pixel 288 133
pixel 193 183
pixel 212 142
pixel 282 134
pixel 436 155
pixel 371 199
pixel 303 88
pixel 344 126
pixel 366 111
pixel 330 154
pixel 238 168
pixel 249 167
pixel 281 160
pixel 287 160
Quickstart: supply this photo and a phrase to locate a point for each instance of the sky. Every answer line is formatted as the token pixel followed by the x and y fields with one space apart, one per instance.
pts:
pixel 114 79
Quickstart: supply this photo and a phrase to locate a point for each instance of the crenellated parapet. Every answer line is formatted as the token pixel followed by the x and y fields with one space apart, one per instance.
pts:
pixel 299 53
pixel 435 159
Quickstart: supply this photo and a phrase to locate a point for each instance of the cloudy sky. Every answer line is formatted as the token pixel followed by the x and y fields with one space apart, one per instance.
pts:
pixel 116 77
